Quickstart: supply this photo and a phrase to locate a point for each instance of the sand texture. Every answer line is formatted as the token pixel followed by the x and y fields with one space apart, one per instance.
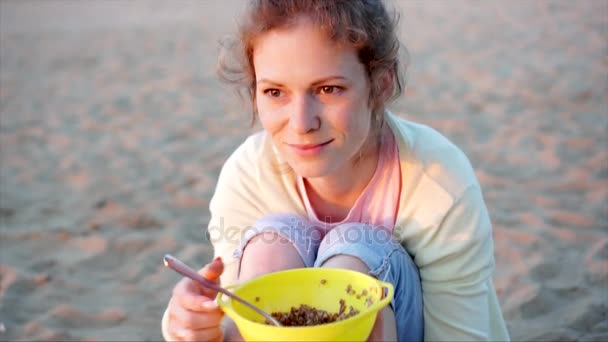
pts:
pixel 113 128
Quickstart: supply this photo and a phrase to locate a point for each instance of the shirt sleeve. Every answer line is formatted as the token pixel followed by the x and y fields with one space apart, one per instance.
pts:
pixel 456 281
pixel 234 208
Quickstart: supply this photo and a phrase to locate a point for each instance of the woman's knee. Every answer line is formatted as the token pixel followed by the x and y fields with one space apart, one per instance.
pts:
pixel 339 248
pixel 363 247
pixel 267 246
pixel 345 261
pixel 268 252
pixel 276 242
pixel 356 233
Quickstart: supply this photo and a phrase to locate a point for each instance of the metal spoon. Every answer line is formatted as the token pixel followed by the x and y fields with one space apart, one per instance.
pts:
pixel 185 270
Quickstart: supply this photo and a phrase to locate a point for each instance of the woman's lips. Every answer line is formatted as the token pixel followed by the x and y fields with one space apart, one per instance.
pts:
pixel 308 150
pixel 309 146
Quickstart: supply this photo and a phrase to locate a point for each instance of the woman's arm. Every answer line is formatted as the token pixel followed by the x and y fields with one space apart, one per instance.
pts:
pixel 459 299
pixel 234 208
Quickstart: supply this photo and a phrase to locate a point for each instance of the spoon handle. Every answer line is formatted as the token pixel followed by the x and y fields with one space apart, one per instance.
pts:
pixel 185 270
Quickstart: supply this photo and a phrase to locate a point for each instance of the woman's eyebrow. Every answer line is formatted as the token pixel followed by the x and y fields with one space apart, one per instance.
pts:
pixel 317 82
pixel 330 78
pixel 264 80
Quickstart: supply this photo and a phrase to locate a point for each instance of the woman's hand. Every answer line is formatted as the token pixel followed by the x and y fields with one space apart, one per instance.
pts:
pixel 193 314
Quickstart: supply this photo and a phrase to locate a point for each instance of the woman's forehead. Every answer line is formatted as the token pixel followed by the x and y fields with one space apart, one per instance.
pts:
pixel 302 51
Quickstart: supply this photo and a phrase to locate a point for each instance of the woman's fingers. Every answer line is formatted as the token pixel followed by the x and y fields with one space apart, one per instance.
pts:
pixel 185 334
pixel 193 315
pixel 188 295
pixel 213 270
pixel 194 320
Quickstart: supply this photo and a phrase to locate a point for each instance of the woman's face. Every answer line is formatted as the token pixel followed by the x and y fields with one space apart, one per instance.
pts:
pixel 312 98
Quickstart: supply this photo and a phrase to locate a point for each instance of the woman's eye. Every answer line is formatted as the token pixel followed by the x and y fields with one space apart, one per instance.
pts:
pixel 328 89
pixel 273 92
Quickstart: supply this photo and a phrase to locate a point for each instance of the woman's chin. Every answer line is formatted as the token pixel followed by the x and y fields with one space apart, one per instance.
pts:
pixel 310 170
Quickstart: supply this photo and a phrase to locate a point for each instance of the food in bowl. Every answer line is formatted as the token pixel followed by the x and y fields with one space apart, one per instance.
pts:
pixel 306 315
pixel 319 288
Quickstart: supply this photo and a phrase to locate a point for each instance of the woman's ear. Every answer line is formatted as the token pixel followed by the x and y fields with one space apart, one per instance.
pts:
pixel 382 88
pixel 387 84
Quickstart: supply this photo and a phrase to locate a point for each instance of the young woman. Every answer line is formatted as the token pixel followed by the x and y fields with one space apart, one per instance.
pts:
pixel 335 180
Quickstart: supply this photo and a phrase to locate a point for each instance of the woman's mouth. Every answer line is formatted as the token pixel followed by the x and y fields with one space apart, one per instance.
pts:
pixel 309 150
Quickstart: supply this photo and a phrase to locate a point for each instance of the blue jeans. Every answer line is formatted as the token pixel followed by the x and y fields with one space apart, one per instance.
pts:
pixel 383 255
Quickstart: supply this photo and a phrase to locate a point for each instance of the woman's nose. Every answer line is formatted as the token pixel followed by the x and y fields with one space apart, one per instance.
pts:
pixel 304 116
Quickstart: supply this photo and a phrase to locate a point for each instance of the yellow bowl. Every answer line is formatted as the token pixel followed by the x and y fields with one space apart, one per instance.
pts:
pixel 321 288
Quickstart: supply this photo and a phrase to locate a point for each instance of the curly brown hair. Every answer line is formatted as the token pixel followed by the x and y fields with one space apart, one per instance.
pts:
pixel 366 25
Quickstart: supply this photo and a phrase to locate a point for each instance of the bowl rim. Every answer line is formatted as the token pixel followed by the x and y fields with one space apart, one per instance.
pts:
pixel 387 297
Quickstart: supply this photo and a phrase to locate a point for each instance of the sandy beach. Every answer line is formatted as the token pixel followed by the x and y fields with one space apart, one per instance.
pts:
pixel 113 129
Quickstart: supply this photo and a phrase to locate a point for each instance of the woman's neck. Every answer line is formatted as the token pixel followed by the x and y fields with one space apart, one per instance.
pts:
pixel 333 196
